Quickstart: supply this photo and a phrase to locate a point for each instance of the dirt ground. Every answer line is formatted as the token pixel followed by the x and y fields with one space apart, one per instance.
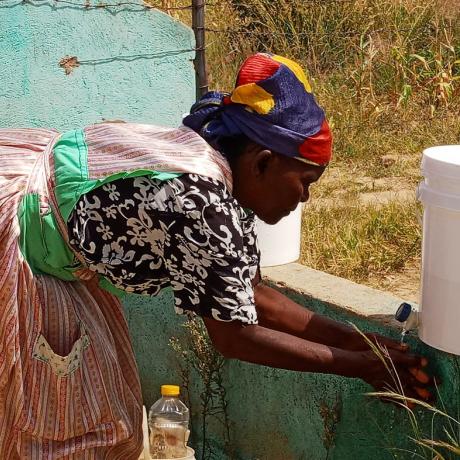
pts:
pixel 405 284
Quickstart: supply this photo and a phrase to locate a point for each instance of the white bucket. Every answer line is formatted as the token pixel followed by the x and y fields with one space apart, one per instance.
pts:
pixel 280 243
pixel 440 298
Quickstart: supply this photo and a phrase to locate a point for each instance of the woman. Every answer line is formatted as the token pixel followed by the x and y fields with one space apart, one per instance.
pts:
pixel 138 208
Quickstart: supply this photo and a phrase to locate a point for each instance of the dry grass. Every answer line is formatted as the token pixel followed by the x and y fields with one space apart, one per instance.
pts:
pixel 356 242
pixel 441 444
pixel 387 73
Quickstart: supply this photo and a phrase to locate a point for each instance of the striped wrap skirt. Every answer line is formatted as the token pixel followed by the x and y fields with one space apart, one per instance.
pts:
pixel 69 386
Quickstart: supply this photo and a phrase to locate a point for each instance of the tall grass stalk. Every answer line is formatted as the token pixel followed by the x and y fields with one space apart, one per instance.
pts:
pixel 395 394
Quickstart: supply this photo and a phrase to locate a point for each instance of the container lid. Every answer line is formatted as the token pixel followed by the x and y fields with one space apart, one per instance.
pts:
pixel 170 390
pixel 403 312
pixel 442 160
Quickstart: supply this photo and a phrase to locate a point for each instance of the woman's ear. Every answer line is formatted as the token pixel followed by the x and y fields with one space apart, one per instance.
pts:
pixel 260 161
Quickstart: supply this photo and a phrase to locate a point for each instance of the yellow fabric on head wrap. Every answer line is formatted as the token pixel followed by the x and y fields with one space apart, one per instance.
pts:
pixel 255 97
pixel 296 69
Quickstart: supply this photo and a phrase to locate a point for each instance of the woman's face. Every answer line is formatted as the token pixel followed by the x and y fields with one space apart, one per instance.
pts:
pixel 272 185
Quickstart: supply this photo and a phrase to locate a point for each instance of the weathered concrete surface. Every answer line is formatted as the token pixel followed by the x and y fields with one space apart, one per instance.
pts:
pixel 152 322
pixel 134 64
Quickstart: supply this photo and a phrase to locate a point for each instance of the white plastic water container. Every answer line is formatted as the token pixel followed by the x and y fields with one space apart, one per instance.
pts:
pixel 439 322
pixel 280 243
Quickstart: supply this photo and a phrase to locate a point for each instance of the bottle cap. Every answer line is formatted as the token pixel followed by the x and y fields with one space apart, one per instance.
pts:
pixel 170 390
pixel 403 312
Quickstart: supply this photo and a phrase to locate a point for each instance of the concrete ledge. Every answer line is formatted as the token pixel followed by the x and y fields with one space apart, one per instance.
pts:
pixel 334 291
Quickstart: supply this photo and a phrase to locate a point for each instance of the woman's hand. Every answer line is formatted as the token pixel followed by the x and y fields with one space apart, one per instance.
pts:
pixel 272 348
pixel 403 373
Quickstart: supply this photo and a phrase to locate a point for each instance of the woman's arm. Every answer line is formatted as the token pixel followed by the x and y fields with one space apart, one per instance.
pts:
pixel 278 312
pixel 260 345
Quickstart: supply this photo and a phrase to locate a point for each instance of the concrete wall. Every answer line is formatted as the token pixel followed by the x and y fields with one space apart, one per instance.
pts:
pixel 135 64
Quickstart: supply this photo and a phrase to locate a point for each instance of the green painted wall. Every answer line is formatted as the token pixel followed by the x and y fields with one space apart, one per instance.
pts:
pixel 290 416
pixel 281 415
pixel 136 65
pixel 152 323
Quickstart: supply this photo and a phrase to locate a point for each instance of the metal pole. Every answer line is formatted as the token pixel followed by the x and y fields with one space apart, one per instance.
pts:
pixel 200 58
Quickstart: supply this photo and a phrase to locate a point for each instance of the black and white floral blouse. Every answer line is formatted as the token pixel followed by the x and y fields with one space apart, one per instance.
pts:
pixel 188 232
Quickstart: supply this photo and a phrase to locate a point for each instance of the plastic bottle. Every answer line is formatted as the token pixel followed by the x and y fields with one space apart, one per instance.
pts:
pixel 168 424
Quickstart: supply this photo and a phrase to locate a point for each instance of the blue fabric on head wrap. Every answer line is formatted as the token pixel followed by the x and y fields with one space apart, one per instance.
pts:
pixel 213 120
pixel 272 105
pixel 207 118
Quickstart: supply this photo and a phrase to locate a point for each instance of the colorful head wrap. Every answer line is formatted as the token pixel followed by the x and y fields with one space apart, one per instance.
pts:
pixel 272 104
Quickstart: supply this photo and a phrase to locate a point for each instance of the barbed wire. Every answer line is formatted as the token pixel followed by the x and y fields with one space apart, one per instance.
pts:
pixel 308 34
pixel 90 6
pixel 135 57
pixel 143 6
pixel 74 61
